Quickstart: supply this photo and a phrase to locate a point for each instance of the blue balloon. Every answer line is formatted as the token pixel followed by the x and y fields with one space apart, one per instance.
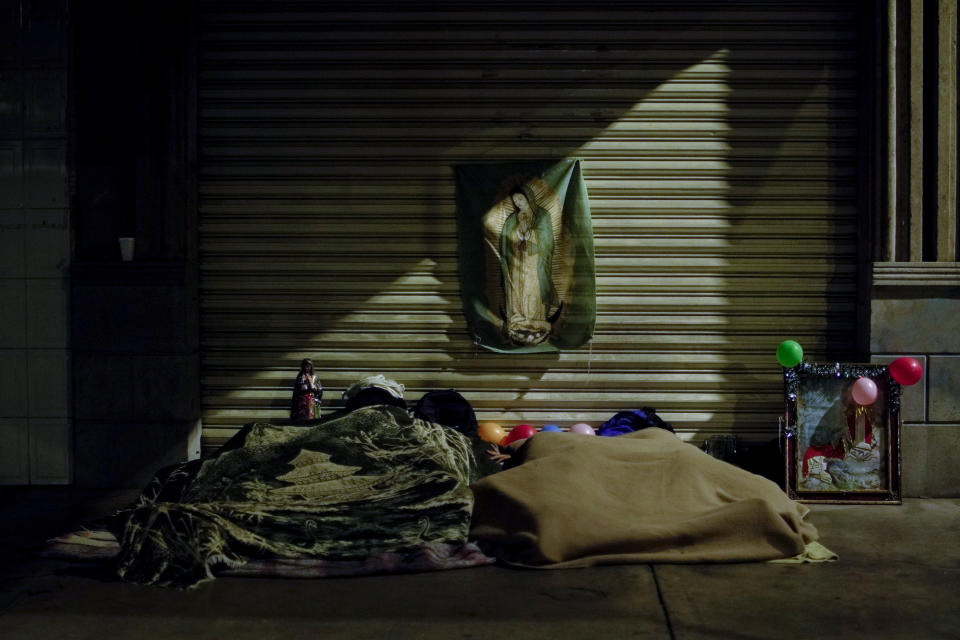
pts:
pixel 551 427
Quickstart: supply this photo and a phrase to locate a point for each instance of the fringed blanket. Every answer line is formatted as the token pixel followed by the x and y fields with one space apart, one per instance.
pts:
pixel 641 497
pixel 371 491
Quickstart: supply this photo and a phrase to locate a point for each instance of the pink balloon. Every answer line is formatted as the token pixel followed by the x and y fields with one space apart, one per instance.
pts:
pixel 864 391
pixel 583 428
pixel 906 371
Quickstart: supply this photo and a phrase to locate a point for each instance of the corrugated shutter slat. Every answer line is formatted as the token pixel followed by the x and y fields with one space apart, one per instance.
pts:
pixel 720 151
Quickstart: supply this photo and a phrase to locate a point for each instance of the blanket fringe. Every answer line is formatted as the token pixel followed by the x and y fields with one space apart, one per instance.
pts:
pixel 813 553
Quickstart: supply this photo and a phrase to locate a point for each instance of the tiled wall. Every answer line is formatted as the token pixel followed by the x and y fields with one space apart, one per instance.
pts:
pixel 925 325
pixel 35 425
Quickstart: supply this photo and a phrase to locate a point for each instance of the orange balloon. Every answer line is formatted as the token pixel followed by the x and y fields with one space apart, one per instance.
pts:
pixel 491 432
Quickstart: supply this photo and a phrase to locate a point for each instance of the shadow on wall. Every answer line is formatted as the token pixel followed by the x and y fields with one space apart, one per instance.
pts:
pixel 629 163
pixel 773 235
pixel 366 167
pixel 606 111
pixel 793 226
pixel 380 180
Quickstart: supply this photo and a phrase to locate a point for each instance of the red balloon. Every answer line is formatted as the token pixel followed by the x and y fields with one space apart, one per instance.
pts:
pixel 519 432
pixel 906 371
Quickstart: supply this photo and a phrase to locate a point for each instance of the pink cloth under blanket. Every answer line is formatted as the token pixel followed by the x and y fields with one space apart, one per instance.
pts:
pixel 431 556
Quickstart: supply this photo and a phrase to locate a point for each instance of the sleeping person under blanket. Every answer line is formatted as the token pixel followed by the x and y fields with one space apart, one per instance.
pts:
pixel 367 491
pixel 645 496
pixel 378 490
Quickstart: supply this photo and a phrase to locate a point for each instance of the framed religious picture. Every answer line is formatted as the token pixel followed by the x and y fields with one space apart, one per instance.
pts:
pixel 842 433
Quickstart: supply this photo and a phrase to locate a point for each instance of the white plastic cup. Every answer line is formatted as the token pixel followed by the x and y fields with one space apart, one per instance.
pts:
pixel 126 249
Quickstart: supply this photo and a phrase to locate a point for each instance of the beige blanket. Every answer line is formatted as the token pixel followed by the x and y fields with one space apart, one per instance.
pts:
pixel 643 497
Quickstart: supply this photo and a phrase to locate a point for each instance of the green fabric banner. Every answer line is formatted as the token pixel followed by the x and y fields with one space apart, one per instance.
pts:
pixel 527 276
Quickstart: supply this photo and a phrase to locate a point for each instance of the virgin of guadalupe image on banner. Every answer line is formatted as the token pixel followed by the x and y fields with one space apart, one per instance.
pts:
pixel 527 275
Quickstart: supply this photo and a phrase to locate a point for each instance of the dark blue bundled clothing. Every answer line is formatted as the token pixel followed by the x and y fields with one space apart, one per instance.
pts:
pixel 630 421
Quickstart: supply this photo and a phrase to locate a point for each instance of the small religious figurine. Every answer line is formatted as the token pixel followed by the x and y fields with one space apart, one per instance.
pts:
pixel 307 392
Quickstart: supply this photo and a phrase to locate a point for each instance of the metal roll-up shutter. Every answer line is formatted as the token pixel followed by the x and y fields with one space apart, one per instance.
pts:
pixel 720 150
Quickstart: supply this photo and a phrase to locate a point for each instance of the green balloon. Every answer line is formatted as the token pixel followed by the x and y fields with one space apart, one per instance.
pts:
pixel 789 353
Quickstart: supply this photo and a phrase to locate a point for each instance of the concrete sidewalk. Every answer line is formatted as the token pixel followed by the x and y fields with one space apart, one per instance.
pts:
pixel 898 577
